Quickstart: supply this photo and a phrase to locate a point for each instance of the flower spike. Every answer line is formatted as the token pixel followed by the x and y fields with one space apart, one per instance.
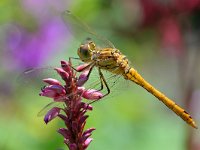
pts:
pixel 73 113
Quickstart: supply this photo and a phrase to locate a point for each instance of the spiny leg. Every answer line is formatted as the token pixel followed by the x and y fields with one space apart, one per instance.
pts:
pixel 87 74
pixel 101 88
pixel 89 66
pixel 84 68
pixel 73 58
pixel 103 81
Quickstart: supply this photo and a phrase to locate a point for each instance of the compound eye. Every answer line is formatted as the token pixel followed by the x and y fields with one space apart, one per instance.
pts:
pixel 84 52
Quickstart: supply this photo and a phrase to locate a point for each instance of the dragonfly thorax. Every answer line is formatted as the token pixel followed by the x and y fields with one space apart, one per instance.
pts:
pixel 85 51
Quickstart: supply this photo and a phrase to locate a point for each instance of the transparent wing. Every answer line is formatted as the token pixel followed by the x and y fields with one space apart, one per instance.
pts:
pixel 116 83
pixel 49 106
pixel 82 31
pixel 34 76
pixel 112 80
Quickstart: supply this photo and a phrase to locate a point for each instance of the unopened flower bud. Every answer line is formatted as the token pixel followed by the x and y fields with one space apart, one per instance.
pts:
pixel 83 78
pixel 92 94
pixel 65 66
pixel 51 114
pixel 87 142
pixel 51 81
pixel 62 73
pixel 82 67
pixel 53 91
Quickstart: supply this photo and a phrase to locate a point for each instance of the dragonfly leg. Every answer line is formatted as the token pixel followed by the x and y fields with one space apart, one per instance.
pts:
pixel 103 81
pixel 92 66
pixel 101 88
pixel 75 58
pixel 84 68
pixel 70 61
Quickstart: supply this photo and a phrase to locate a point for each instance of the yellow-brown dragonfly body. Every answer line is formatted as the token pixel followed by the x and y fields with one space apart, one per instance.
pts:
pixel 115 62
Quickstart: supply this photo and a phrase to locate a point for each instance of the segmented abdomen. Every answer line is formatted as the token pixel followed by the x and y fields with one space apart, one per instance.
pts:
pixel 131 74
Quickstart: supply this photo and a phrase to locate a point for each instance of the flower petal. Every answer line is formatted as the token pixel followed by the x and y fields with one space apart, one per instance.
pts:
pixel 82 119
pixel 48 93
pixel 62 73
pixel 86 106
pixel 64 132
pixel 88 131
pixel 84 137
pixel 65 66
pixel 53 91
pixel 73 146
pixel 87 142
pixel 87 134
pixel 60 98
pixel 81 90
pixel 51 114
pixel 92 94
pixel 81 67
pixel 51 81
pixel 83 78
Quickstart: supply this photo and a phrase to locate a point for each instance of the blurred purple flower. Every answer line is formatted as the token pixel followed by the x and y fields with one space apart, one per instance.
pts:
pixel 27 48
pixel 35 33
pixel 30 49
pixel 74 110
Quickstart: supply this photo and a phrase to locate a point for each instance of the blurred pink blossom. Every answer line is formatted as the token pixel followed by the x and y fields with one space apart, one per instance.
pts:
pixel 166 15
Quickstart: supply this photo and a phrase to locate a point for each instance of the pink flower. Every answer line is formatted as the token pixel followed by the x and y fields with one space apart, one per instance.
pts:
pixel 74 117
pixel 52 81
pixel 54 112
pixel 92 94
pixel 53 91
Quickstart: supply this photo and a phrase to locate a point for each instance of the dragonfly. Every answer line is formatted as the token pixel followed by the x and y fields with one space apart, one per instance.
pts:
pixel 100 54
pixel 112 60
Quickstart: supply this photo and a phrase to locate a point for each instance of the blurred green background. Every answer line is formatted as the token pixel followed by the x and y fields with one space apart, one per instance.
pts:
pixel 161 39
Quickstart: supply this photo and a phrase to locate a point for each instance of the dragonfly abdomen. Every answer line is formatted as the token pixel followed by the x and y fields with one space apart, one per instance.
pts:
pixel 132 75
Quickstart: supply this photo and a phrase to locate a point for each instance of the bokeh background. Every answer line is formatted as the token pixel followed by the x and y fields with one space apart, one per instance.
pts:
pixel 160 37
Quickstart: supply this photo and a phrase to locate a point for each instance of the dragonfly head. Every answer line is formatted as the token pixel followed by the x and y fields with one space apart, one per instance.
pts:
pixel 86 50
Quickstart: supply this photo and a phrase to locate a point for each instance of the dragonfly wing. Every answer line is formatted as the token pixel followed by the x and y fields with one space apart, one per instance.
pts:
pixel 82 31
pixel 36 75
pixel 116 83
pixel 48 107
